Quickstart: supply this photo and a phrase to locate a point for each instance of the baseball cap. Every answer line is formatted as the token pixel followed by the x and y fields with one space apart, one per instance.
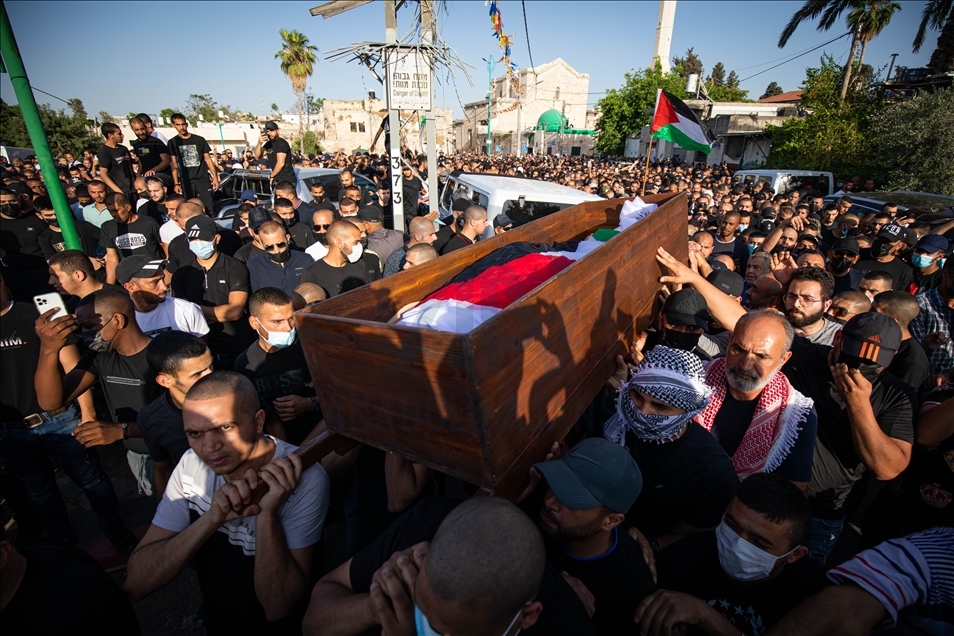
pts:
pixel 248 195
pixel 726 281
pixel 200 227
pixel 502 220
pixel 460 204
pixel 768 212
pixel 596 472
pixel 270 125
pixel 257 216
pixel 138 266
pixel 687 307
pixel 846 245
pixel 767 225
pixel 928 243
pixel 871 336
pixel 809 237
pixel 371 213
pixel 893 232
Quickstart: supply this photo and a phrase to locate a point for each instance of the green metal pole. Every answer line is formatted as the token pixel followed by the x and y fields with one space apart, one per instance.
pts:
pixel 31 117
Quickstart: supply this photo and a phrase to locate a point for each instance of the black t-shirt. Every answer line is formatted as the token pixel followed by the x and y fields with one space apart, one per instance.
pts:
pixel 691 566
pixel 691 480
pixel 20 242
pixel 735 248
pixel 118 164
pixel 411 189
pixel 910 364
pixel 155 211
pixel 128 385
pixel 926 282
pixel 211 288
pixel 229 241
pixel 619 580
pixel 247 252
pixel 52 241
pixel 733 420
pixel 901 272
pixel 848 282
pixel 444 235
pixel 190 157
pixel 336 280
pixel 179 253
pixel 64 591
pixel 279 373
pixel 836 466
pixel 271 149
pixel 456 242
pixel 161 425
pixel 19 352
pixel 139 237
pixel 563 612
pixel 148 151
pixel 301 235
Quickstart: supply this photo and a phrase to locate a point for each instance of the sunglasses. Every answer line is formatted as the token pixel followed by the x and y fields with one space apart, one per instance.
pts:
pixel 277 247
pixel 321 226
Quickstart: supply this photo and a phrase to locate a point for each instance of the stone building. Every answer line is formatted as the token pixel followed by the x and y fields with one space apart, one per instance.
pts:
pixel 554 86
pixel 352 124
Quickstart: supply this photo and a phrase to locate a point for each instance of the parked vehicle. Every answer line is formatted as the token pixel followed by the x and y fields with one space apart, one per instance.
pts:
pixel 904 199
pixel 522 200
pixel 782 181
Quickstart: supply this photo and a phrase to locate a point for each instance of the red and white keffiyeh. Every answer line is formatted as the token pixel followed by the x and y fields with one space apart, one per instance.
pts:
pixel 776 423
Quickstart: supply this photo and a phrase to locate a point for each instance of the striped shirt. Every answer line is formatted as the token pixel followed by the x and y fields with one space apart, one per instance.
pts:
pixel 917 570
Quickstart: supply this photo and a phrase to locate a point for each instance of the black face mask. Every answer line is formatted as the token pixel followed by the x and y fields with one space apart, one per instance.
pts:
pixel 322 238
pixel 279 257
pixel 869 370
pixel 680 339
pixel 11 210
pixel 289 222
pixel 880 249
pixel 364 242
pixel 53 222
pixel 841 264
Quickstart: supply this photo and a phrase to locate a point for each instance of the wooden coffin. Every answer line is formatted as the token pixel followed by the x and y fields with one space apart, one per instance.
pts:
pixel 485 405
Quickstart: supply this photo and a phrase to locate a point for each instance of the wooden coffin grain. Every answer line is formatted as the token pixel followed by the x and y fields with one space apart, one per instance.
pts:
pixel 485 405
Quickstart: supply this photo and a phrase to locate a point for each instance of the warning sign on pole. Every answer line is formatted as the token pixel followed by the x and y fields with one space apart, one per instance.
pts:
pixel 409 80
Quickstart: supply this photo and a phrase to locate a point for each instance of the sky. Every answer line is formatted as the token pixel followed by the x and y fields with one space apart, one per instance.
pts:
pixel 146 56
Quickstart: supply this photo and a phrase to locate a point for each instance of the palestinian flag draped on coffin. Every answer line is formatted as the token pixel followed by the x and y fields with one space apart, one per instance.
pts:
pixel 675 122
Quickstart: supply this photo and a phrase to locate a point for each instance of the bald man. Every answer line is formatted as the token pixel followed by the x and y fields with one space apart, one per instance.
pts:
pixel 342 269
pixel 307 294
pixel 847 305
pixel 419 254
pixel 765 293
pixel 475 222
pixel 910 363
pixel 422 233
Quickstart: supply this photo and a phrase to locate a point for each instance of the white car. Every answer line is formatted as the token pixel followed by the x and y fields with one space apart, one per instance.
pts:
pixel 522 200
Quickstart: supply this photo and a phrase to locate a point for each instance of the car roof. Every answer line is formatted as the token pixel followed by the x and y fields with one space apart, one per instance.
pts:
pixel 797 173
pixel 904 199
pixel 530 188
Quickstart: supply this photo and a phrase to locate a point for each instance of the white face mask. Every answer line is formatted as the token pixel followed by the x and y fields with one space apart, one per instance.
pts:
pixel 356 250
pixel 741 560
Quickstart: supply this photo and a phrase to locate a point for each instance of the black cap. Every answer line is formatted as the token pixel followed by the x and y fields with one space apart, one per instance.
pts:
pixel 727 282
pixel 687 307
pixel 809 237
pixel 257 216
pixel 270 125
pixel 502 220
pixel 371 213
pixel 871 336
pixel 460 204
pixel 200 227
pixel 138 266
pixel 846 245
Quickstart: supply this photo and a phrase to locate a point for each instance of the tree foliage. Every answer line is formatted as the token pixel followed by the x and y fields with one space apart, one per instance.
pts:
pixel 726 93
pixel 834 136
pixel 65 132
pixel 686 66
pixel 772 90
pixel 297 59
pixel 717 75
pixel 913 142
pixel 625 110
pixel 308 144
pixel 733 80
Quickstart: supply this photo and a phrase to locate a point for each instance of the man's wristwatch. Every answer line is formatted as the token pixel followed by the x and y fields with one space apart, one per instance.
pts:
pixel 314 405
pixel 125 430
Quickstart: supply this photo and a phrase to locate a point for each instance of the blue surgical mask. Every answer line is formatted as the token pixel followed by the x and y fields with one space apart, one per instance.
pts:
pixel 202 249
pixel 742 227
pixel 424 626
pixel 751 248
pixel 281 339
pixel 921 260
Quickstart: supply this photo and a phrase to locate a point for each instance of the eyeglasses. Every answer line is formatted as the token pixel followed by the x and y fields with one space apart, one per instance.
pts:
pixel 277 247
pixel 321 226
pixel 808 301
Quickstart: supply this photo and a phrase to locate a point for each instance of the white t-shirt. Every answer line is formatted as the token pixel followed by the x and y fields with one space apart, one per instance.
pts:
pixel 158 135
pixel 173 314
pixel 169 230
pixel 192 484
pixel 317 251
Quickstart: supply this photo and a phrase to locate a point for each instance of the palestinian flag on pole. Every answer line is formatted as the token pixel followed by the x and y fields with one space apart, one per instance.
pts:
pixel 675 122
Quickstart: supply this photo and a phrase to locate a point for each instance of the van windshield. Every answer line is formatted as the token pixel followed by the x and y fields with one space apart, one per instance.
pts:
pixel 818 184
pixel 530 210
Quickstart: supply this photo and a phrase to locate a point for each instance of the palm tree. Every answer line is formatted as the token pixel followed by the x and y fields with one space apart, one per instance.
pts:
pixel 870 21
pixel 297 62
pixel 938 14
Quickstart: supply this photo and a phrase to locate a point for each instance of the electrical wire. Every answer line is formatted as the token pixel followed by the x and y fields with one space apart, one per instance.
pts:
pixel 50 94
pixel 526 30
pixel 796 57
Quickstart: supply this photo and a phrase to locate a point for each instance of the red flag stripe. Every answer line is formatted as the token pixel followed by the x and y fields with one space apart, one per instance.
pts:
pixel 665 114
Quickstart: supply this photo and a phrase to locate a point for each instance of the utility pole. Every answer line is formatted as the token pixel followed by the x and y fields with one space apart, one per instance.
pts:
pixel 394 122
pixel 428 28
pixel 887 77
pixel 491 64
pixel 31 117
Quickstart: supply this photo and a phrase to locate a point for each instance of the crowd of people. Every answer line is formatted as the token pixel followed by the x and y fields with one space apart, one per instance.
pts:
pixel 775 455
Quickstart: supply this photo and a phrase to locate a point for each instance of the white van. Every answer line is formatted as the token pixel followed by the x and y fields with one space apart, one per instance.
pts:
pixel 782 181
pixel 522 200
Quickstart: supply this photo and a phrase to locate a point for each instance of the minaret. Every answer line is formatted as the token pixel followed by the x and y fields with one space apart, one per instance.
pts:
pixel 667 16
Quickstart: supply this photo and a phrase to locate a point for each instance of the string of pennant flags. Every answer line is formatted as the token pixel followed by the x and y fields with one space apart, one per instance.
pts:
pixel 504 41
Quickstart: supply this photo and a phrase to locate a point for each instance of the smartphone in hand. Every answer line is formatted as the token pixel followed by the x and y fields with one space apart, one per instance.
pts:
pixel 46 302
